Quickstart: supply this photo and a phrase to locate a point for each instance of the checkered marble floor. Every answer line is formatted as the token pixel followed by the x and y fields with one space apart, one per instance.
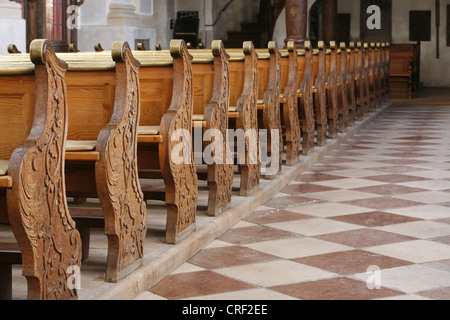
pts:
pixel 375 211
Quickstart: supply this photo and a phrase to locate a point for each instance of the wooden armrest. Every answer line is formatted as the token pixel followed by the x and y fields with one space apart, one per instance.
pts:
pixel 198 117
pixel 232 113
pixel 82 156
pixel 6 182
pixel 282 98
pixel 10 253
pixel 80 145
pixel 150 139
pixel 149 130
pixel 260 104
pixel 4 167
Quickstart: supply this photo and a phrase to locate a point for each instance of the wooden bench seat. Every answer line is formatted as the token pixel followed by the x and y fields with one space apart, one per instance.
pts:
pixel 305 95
pixel 101 161
pixel 167 101
pixel 211 113
pixel 332 88
pixel 243 113
pixel 290 119
pixel 269 113
pixel 351 84
pixel 33 103
pixel 319 93
pixel 342 88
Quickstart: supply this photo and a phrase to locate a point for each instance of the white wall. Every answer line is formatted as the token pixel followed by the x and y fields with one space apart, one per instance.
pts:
pixel 97 26
pixel 12 27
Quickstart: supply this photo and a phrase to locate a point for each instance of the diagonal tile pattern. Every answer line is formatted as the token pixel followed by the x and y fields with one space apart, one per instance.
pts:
pixel 382 200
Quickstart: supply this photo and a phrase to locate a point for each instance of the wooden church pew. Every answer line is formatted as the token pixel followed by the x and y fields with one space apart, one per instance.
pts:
pixel 33 116
pixel 342 88
pixel 290 118
pixel 351 84
pixel 305 96
pixel 101 158
pixel 331 86
pixel 319 93
pixel 269 113
pixel 211 78
pixel 243 113
pixel 165 132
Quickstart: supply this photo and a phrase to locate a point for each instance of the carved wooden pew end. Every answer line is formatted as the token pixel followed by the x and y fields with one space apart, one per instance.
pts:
pixel 166 82
pixel 48 244
pixel 106 168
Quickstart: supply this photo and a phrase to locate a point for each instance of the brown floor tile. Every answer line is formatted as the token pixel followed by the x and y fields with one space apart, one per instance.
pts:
pixel 351 262
pixel 383 203
pixel 395 178
pixel 223 257
pixel 397 169
pixel 418 138
pixel 274 216
pixel 408 155
pixel 334 289
pixel 417 143
pixel 316 177
pixel 389 189
pixel 444 220
pixel 362 238
pixel 305 188
pixel 255 234
pixel 444 240
pixel 374 219
pixel 436 294
pixel 402 161
pixel 188 285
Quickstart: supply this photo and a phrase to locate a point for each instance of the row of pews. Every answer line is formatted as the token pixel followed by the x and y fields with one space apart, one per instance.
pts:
pixel 123 127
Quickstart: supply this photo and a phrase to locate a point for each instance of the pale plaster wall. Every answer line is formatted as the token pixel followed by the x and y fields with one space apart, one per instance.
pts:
pixel 12 26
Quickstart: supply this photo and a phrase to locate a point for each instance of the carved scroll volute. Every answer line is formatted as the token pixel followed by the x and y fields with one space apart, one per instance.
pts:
pixel 220 175
pixel 118 184
pixel 320 100
pixel 37 205
pixel 248 121
pixel 307 101
pixel 332 96
pixel 343 89
pixel 291 110
pixel 272 115
pixel 180 178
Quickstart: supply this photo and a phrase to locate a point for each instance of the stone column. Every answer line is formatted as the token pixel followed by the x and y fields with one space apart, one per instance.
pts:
pixel 12 26
pixel 329 20
pixel 122 12
pixel 296 21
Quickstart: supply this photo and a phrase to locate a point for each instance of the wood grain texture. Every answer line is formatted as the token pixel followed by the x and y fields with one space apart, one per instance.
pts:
pixel 37 205
pixel 305 95
pixel 244 88
pixel 290 108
